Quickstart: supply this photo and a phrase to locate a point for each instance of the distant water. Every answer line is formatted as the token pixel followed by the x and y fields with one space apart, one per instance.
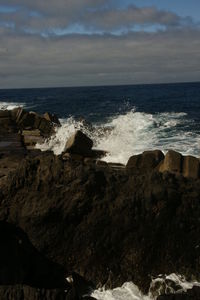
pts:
pixel 126 120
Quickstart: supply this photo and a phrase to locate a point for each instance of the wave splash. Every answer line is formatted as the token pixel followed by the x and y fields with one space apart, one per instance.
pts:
pixel 10 105
pixel 132 133
pixel 164 284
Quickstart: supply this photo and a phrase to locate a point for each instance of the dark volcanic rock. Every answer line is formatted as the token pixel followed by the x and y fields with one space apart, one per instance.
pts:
pixel 79 143
pixel 172 162
pixel 20 262
pixel 105 224
pixel 146 161
pixel 192 294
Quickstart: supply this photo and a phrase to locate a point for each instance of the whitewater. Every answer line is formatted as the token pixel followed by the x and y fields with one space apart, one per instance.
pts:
pixel 163 284
pixel 124 135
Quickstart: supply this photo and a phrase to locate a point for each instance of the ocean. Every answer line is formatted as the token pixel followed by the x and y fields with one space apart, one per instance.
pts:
pixel 126 120
pixel 123 120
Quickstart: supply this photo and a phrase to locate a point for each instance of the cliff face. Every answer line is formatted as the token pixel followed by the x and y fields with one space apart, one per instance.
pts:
pixel 109 225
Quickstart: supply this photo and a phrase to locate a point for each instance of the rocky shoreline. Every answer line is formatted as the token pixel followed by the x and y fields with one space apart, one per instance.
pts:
pixel 75 214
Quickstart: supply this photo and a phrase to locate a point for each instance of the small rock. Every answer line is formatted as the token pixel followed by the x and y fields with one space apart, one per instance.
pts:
pixel 51 118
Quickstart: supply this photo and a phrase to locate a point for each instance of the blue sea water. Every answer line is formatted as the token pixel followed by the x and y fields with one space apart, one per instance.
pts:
pixel 139 117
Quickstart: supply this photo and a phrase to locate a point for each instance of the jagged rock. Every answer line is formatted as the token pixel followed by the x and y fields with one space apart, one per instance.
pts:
pixel 191 294
pixel 172 162
pixel 45 127
pixel 191 167
pixel 51 118
pixel 94 220
pixel 148 160
pixel 79 143
pixel 27 121
pixel 18 113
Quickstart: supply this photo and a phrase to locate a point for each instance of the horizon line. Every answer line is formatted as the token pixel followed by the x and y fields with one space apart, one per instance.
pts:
pixel 101 85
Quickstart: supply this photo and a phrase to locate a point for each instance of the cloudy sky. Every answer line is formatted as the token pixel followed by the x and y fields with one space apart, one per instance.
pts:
pixel 97 42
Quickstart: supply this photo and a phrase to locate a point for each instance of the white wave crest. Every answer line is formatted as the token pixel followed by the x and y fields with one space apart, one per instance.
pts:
pixel 132 133
pixel 164 284
pixel 10 105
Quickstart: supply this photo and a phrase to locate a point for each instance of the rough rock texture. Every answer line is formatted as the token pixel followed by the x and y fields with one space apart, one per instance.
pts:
pixel 191 167
pixel 146 161
pixel 79 143
pixel 193 294
pixel 172 162
pixel 104 223
pixel 32 127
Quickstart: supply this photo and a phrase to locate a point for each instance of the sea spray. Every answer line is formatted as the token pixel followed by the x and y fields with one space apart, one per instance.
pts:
pixel 163 284
pixel 131 133
pixel 10 105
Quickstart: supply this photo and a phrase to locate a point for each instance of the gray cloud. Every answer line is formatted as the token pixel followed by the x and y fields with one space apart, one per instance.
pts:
pixel 90 14
pixel 110 18
pixel 73 60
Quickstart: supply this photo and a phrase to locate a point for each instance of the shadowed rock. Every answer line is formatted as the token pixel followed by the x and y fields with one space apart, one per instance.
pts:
pixel 146 161
pixel 191 294
pixel 79 143
pixel 191 167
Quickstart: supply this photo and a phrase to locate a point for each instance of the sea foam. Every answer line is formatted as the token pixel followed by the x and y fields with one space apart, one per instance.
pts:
pixel 131 133
pixel 10 105
pixel 163 284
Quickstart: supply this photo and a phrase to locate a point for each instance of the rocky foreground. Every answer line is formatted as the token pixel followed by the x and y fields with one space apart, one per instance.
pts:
pixel 103 224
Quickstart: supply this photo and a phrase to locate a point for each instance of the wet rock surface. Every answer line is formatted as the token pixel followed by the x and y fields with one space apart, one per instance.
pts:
pixel 191 294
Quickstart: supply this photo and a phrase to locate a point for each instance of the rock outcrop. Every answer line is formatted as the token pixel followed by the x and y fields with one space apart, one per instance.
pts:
pixel 174 162
pixel 108 223
pixel 191 294
pixel 146 161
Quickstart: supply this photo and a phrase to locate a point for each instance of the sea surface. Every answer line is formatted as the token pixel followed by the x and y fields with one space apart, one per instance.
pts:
pixel 125 120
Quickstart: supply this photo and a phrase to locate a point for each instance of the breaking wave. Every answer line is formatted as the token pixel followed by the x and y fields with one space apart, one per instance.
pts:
pixel 164 284
pixel 131 133
pixel 10 105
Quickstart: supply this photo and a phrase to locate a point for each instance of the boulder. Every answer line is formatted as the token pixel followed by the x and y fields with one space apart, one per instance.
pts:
pixel 27 121
pixel 79 143
pixel 45 127
pixel 51 118
pixel 148 160
pixel 172 162
pixel 191 167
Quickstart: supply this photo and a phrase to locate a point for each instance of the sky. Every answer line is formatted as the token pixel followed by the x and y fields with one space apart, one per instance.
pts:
pixel 59 43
